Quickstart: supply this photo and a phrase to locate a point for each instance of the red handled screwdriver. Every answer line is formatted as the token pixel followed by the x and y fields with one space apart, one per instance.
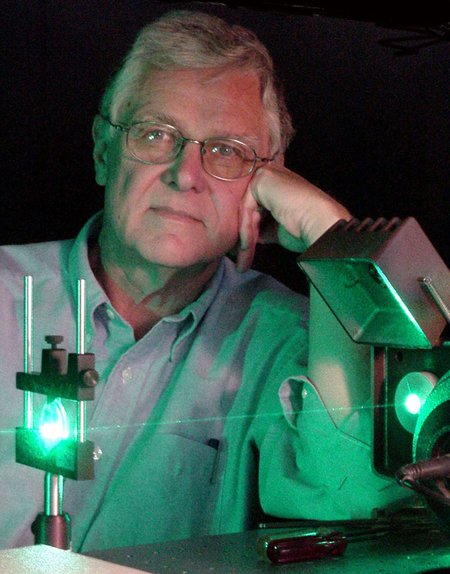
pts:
pixel 306 545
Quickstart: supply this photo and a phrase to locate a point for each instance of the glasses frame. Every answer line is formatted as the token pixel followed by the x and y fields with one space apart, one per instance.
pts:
pixel 182 141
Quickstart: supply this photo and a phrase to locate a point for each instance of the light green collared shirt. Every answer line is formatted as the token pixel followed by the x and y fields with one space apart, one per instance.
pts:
pixel 193 434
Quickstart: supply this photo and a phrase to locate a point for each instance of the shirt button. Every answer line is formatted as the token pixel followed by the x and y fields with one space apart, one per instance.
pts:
pixel 97 453
pixel 127 375
pixel 110 313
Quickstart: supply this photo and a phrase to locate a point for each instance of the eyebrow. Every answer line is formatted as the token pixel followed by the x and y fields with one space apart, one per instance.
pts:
pixel 160 117
pixel 249 139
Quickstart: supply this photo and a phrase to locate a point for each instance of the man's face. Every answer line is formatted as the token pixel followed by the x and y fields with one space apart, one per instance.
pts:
pixel 175 214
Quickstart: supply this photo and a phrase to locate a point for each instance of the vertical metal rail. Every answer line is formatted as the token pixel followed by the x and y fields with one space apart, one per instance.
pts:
pixel 54 490
pixel 81 349
pixel 28 349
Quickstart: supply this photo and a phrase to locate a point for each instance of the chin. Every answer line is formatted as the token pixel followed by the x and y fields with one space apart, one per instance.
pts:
pixel 180 258
pixel 178 251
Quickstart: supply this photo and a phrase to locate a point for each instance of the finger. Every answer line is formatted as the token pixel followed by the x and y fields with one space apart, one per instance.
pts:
pixel 244 259
pixel 303 211
pixel 247 208
pixel 249 233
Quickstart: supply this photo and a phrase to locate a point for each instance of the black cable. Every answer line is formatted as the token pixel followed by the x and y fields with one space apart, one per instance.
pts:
pixel 412 475
pixel 422 489
pixel 438 467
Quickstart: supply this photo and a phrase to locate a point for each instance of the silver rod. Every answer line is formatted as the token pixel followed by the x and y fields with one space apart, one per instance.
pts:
pixel 28 349
pixel 81 331
pixel 81 316
pixel 60 492
pixel 53 494
pixel 81 418
pixel 427 282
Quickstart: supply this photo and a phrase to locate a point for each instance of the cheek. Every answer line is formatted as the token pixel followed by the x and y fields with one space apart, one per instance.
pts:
pixel 127 189
pixel 227 205
pixel 119 207
pixel 116 193
pixel 230 197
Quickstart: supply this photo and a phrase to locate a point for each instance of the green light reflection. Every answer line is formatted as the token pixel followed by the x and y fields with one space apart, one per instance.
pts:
pixel 53 423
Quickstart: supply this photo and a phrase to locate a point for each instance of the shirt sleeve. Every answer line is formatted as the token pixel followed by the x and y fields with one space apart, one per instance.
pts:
pixel 309 468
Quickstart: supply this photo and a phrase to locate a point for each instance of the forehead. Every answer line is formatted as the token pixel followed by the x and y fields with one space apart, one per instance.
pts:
pixel 204 102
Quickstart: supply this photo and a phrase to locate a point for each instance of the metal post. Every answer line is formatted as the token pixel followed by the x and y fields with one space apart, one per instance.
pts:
pixel 28 349
pixel 81 329
pixel 54 491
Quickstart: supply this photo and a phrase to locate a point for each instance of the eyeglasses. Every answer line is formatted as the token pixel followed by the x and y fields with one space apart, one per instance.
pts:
pixel 153 143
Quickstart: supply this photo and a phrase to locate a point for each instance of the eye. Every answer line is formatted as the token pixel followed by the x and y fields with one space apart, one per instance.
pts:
pixel 226 150
pixel 156 135
pixel 151 134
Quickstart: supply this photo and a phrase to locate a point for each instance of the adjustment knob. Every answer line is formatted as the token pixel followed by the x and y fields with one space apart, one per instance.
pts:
pixel 90 377
pixel 54 340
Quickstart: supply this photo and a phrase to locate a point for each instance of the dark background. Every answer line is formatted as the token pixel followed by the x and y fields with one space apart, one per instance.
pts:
pixel 368 89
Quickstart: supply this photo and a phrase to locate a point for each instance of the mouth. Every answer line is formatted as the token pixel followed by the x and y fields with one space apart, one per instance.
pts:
pixel 174 214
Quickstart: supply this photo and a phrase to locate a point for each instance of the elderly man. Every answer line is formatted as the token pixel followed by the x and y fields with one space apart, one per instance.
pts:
pixel 191 348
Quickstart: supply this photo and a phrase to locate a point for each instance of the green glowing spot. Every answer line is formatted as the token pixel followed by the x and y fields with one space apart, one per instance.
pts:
pixel 413 403
pixel 53 423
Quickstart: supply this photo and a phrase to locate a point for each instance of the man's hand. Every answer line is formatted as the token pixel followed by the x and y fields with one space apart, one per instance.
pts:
pixel 282 207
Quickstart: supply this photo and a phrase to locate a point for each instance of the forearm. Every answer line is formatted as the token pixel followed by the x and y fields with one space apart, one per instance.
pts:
pixel 339 368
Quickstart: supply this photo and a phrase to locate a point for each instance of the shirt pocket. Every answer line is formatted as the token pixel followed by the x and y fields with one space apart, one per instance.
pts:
pixel 163 489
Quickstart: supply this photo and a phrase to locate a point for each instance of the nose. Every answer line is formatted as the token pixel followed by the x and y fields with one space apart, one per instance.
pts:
pixel 186 171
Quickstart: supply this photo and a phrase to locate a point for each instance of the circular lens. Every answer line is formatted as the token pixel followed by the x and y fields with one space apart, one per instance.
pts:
pixel 410 395
pixel 413 403
pixel 431 440
pixel 227 158
pixel 153 143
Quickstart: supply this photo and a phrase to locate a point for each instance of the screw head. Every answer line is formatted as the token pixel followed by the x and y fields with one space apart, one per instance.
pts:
pixel 54 340
pixel 97 453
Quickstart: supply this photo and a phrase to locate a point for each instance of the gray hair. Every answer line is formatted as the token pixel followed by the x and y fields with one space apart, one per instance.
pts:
pixel 185 39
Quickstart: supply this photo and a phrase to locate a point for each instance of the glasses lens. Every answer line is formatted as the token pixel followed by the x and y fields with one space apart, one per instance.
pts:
pixel 153 143
pixel 227 158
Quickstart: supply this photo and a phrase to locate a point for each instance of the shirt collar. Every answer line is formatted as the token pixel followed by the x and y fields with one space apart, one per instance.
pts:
pixel 190 317
pixel 79 266
pixel 198 308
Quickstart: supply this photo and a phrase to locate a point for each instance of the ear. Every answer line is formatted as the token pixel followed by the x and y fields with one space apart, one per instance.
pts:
pixel 101 142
